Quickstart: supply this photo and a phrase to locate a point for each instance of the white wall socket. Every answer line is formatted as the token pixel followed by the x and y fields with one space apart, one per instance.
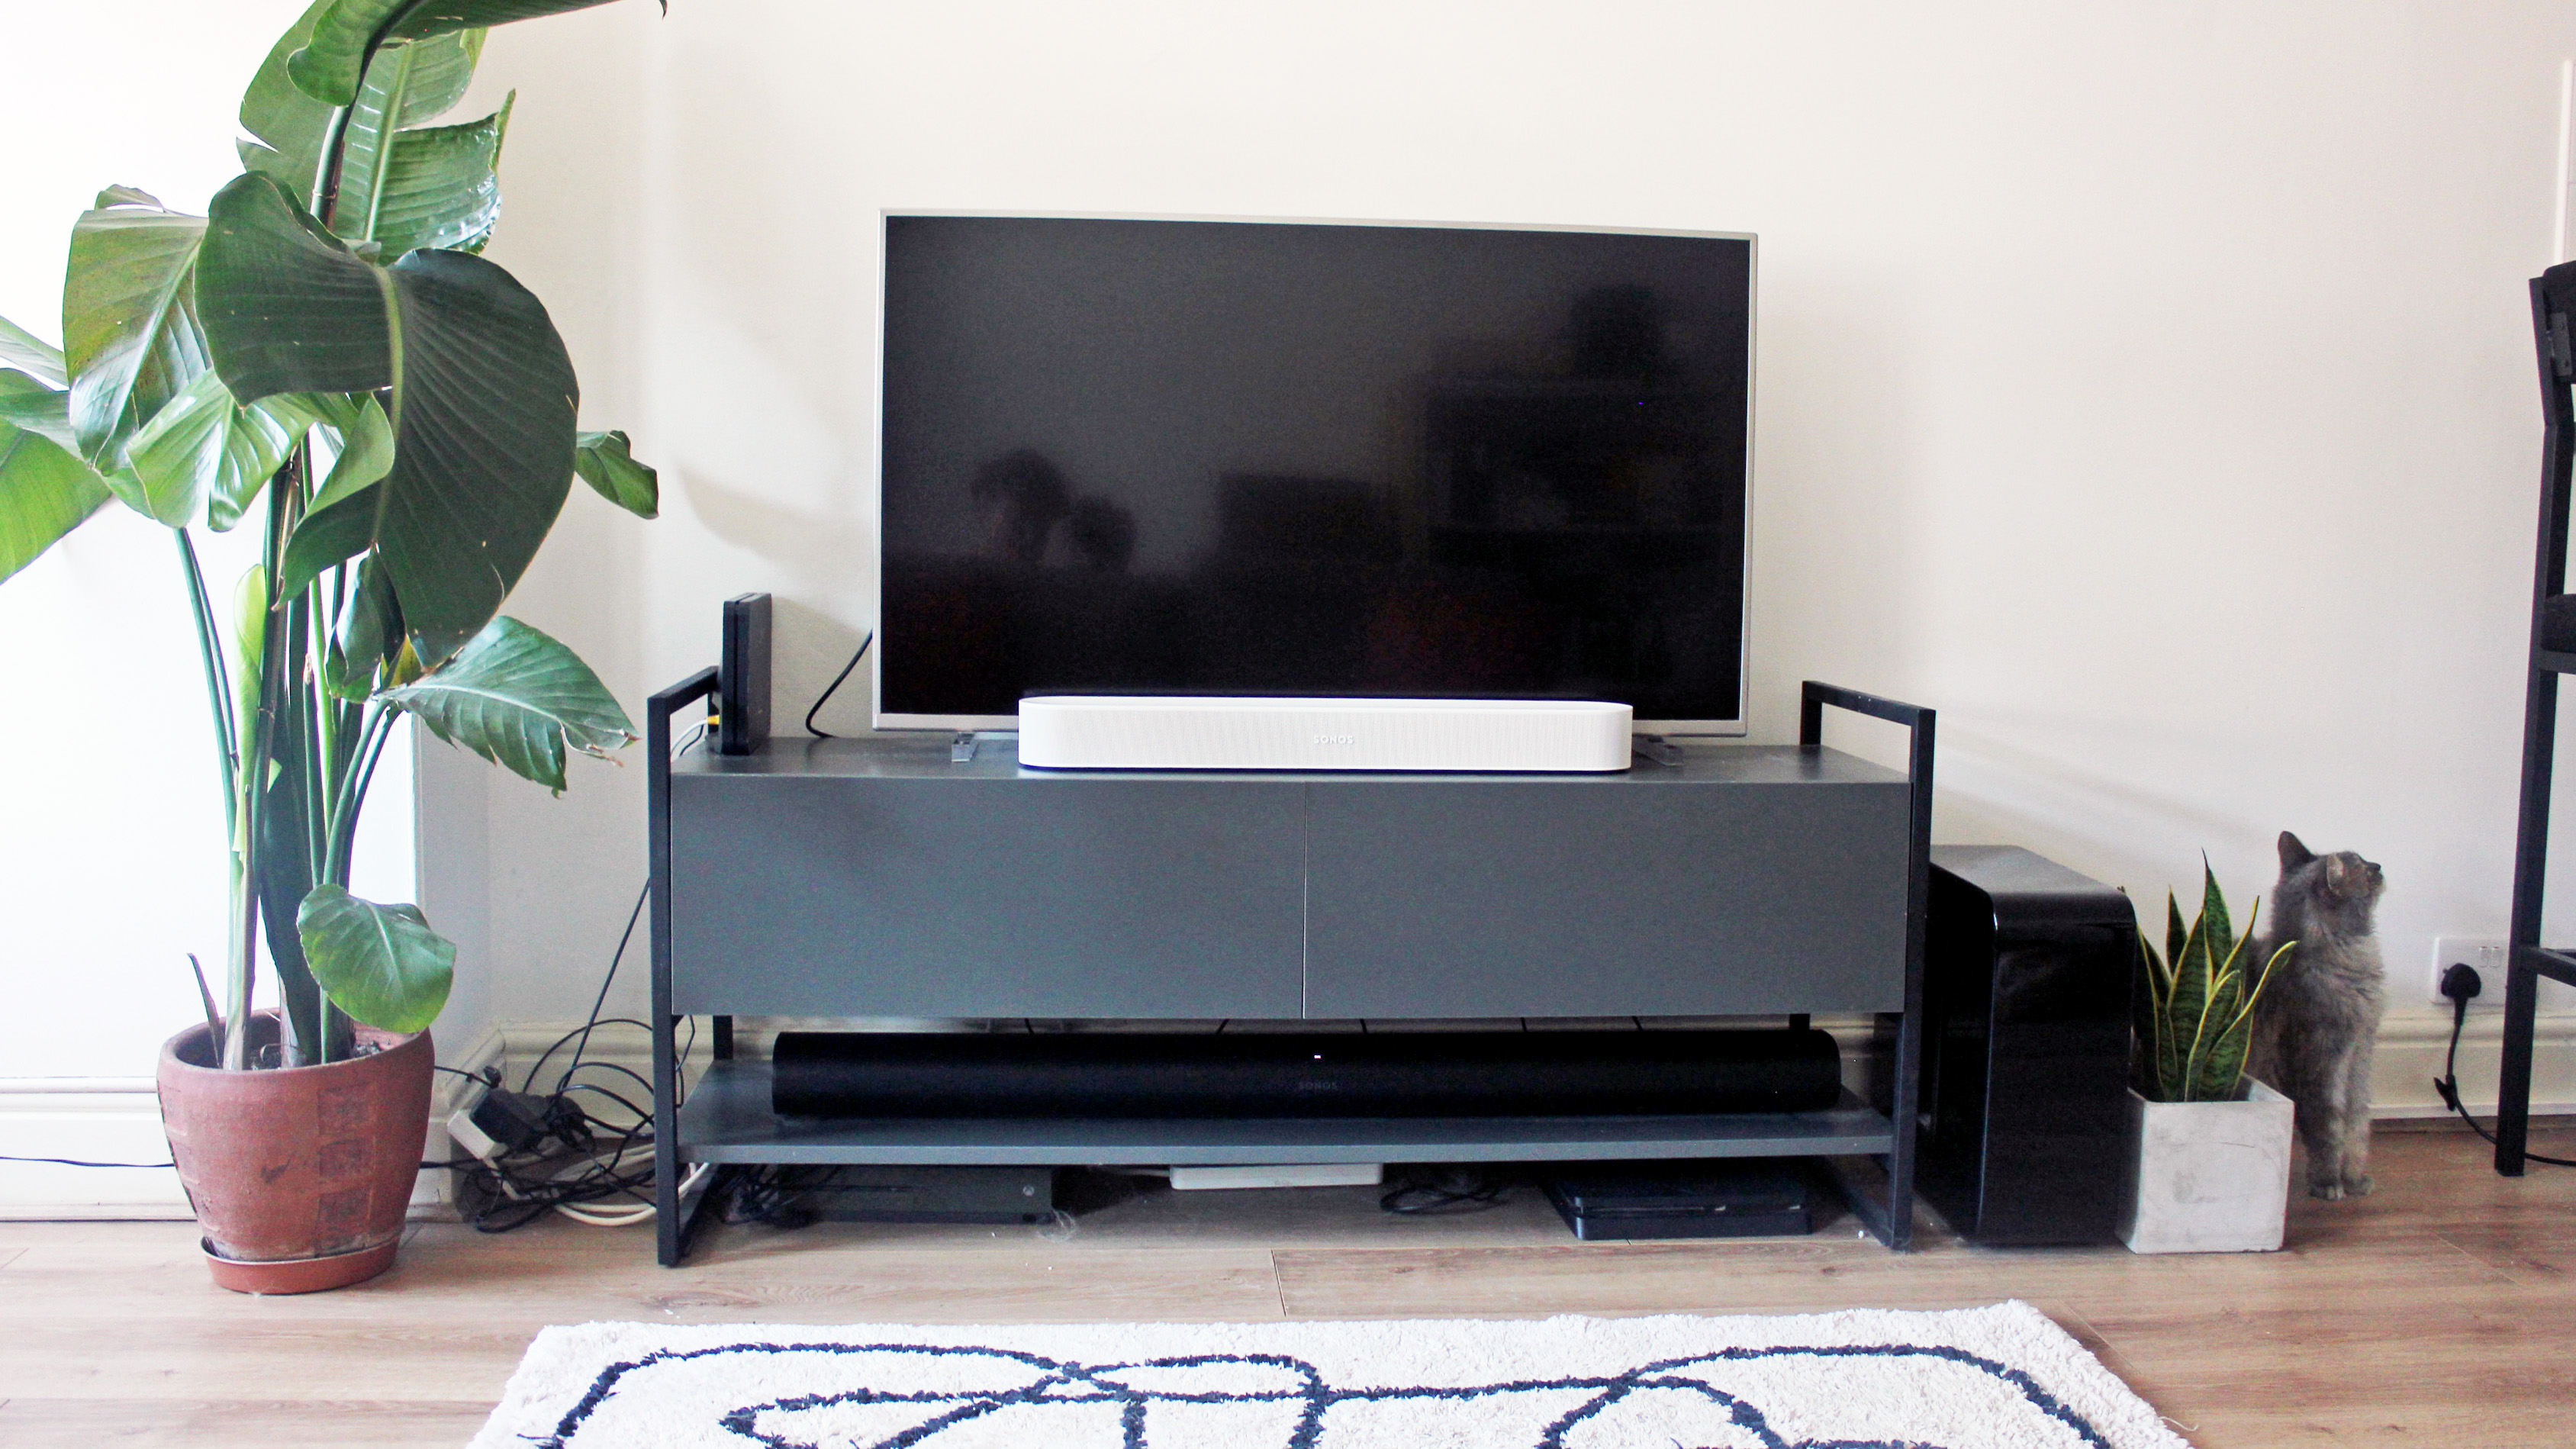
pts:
pixel 2486 953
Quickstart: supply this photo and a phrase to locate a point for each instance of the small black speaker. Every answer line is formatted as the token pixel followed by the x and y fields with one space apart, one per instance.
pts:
pixel 2026 976
pixel 742 677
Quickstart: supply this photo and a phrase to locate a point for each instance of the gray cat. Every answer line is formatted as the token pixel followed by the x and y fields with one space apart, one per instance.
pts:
pixel 2316 1022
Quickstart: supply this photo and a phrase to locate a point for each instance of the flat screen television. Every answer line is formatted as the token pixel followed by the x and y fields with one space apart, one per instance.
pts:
pixel 1127 455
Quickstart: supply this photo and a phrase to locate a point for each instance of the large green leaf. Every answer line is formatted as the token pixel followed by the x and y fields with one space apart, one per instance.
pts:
pixel 130 335
pixel 443 188
pixel 370 635
pixel 327 68
pixel 603 462
pixel 381 964
pixel 24 349
pixel 483 394
pixel 517 697
pixel 340 522
pixel 483 445
pixel 28 403
pixel 205 456
pixel 45 488
pixel 407 85
pixel 290 125
pixel 437 17
pixel 287 307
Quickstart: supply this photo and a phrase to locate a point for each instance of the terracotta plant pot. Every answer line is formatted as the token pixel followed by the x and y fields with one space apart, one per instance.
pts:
pixel 300 1177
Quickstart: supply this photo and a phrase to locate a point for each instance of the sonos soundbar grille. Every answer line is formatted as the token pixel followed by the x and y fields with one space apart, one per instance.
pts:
pixel 1159 732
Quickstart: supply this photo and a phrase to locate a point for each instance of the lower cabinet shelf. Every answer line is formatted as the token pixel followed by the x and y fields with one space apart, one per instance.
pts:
pixel 727 1120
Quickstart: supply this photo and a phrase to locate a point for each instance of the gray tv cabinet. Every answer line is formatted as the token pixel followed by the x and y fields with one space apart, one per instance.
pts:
pixel 879 877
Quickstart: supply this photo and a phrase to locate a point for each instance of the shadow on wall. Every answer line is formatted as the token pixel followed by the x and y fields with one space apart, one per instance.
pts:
pixel 1835 566
pixel 809 647
pixel 820 554
pixel 2088 819
pixel 820 547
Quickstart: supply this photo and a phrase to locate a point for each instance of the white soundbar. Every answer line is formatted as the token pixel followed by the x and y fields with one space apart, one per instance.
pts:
pixel 1176 732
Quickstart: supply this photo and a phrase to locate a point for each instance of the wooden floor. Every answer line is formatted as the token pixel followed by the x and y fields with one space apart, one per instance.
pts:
pixel 2437 1312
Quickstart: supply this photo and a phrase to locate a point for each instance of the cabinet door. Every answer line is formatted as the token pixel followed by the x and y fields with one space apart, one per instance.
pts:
pixel 986 897
pixel 1553 898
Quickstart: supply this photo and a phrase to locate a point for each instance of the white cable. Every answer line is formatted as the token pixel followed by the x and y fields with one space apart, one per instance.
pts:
pixel 633 1213
pixel 624 1217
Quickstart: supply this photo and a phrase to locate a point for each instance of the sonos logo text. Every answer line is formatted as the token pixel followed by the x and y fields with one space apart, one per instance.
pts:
pixel 1337 739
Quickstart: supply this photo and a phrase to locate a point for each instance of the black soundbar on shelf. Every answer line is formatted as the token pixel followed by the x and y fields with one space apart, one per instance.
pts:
pixel 1303 1074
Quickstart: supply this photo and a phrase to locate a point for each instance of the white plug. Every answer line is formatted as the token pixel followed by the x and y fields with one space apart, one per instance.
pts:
pixel 460 1123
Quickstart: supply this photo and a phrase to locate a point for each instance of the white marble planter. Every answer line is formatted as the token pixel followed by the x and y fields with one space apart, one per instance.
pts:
pixel 2209 1177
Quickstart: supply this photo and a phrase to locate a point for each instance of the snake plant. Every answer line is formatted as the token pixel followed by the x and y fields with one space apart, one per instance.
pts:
pixel 325 352
pixel 2196 1003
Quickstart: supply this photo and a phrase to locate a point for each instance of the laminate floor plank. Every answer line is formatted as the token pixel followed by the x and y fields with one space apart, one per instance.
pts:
pixel 2434 1312
pixel 445 1279
pixel 280 1424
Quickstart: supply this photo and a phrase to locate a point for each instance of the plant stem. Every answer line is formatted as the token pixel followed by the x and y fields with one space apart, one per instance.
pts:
pixel 352 795
pixel 210 653
pixel 258 752
pixel 335 147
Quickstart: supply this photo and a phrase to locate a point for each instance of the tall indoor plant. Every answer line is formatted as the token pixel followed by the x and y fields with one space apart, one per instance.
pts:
pixel 325 351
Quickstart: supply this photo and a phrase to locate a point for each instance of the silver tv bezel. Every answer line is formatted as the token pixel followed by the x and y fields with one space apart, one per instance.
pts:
pixel 882 719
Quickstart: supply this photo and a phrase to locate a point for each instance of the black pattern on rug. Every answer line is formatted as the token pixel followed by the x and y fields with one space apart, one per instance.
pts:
pixel 1071 1385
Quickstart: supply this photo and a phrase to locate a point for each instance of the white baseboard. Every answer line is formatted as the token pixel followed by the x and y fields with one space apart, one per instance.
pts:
pixel 117 1120
pixel 2411 1045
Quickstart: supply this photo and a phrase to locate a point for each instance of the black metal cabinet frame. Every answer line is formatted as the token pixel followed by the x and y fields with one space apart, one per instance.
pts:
pixel 726 1123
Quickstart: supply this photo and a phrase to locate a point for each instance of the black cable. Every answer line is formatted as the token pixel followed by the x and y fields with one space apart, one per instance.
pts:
pixel 529 1083
pixel 600 1001
pixel 632 1075
pixel 580 1157
pixel 76 1162
pixel 810 727
pixel 2448 1084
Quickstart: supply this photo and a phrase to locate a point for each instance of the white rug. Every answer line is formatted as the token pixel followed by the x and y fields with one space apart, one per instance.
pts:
pixel 1981 1378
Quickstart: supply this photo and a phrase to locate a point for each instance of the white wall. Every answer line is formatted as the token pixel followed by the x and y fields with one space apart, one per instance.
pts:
pixel 2147 386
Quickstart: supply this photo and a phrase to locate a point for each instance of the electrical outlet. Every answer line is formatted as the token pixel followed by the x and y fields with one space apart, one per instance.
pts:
pixel 2485 953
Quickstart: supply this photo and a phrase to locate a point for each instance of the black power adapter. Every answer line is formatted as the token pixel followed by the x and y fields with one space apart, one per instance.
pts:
pixel 518 1122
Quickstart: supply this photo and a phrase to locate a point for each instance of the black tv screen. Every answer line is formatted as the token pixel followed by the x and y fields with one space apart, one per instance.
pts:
pixel 1272 458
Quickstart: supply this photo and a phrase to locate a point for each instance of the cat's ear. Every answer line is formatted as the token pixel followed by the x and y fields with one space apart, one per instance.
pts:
pixel 2338 876
pixel 2293 854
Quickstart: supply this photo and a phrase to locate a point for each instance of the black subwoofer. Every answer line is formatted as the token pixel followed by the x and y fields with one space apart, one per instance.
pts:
pixel 2027 967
